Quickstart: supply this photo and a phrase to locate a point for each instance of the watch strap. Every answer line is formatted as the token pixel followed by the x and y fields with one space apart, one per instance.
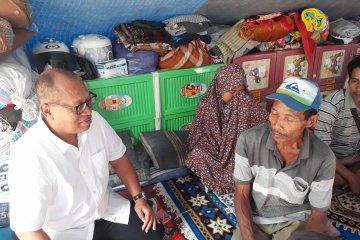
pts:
pixel 139 196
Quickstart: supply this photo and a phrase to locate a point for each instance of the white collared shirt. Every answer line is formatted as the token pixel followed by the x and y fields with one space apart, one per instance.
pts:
pixel 63 189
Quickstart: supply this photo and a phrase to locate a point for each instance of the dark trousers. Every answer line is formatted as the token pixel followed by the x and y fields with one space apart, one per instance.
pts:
pixel 105 230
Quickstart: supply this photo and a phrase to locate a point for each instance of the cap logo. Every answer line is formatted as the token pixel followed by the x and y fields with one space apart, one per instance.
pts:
pixel 298 94
pixel 293 87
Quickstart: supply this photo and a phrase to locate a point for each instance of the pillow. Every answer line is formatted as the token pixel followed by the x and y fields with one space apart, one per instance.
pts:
pixel 17 12
pixel 12 38
pixel 138 159
pixel 6 36
pixel 230 44
pixel 193 54
pixel 165 148
pixel 130 152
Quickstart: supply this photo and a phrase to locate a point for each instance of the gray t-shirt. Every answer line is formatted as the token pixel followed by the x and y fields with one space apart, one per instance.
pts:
pixel 283 193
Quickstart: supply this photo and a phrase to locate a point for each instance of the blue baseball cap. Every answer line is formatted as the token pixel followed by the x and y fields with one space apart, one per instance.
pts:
pixel 298 94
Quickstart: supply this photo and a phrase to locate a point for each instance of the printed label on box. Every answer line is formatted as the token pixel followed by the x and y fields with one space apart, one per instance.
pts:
pixel 112 68
pixel 191 90
pixel 256 93
pixel 330 81
pixel 115 102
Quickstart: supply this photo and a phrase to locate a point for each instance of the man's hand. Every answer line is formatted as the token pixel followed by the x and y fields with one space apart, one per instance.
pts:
pixel 347 176
pixel 317 222
pixel 354 183
pixel 146 214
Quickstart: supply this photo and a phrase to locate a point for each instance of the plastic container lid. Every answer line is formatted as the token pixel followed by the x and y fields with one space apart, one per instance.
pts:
pixel 89 41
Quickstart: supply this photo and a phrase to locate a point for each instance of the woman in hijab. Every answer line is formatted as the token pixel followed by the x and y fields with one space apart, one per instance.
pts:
pixel 224 112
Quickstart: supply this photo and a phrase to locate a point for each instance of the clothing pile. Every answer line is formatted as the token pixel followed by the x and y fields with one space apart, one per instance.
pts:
pixel 180 42
pixel 14 17
pixel 16 88
pixel 16 93
pixel 344 31
pixel 273 32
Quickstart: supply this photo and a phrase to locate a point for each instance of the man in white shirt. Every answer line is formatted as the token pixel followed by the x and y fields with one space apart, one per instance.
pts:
pixel 58 173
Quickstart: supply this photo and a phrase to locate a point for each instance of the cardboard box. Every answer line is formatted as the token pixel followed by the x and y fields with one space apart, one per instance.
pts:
pixel 112 68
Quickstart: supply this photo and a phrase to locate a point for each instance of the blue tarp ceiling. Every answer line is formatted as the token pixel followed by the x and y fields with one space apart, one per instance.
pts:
pixel 64 20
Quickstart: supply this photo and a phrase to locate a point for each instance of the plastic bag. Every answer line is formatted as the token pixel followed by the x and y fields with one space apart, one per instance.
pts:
pixel 17 87
pixel 137 61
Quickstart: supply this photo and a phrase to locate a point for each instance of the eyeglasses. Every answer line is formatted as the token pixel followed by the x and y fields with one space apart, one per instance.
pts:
pixel 79 109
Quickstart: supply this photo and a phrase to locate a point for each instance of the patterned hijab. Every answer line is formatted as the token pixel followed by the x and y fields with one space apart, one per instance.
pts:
pixel 217 126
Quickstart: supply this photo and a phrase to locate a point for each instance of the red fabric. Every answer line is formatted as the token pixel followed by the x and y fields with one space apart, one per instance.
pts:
pixel 269 29
pixel 308 44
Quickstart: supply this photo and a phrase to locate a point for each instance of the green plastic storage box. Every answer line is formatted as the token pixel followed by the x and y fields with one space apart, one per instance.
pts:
pixel 178 121
pixel 181 90
pixel 136 127
pixel 125 102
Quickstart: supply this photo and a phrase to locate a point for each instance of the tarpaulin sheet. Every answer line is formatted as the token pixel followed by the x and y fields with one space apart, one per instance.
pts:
pixel 64 20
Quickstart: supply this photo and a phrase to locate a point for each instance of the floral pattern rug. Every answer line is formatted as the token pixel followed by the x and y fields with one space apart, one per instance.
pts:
pixel 344 213
pixel 199 215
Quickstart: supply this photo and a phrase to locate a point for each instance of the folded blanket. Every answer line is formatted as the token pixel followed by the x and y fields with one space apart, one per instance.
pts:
pixel 135 38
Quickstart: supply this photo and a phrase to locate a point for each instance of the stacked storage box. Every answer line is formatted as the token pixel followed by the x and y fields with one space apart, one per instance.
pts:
pixel 126 102
pixel 330 69
pixel 260 69
pixel 266 71
pixel 180 93
pixel 168 99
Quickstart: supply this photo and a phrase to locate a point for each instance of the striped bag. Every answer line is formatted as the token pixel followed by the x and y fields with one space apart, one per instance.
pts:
pixel 193 54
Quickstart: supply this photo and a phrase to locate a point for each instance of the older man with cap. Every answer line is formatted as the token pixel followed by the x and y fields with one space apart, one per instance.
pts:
pixel 283 173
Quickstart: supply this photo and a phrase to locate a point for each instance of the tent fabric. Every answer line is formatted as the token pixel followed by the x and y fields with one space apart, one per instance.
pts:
pixel 65 20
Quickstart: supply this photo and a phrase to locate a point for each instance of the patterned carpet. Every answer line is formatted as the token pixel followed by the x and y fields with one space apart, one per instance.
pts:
pixel 344 213
pixel 198 215
pixel 209 216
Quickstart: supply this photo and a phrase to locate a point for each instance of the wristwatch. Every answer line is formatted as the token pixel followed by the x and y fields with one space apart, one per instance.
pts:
pixel 139 196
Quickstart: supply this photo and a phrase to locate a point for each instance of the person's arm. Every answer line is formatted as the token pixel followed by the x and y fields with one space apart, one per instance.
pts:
pixel 316 221
pixel 321 191
pixel 127 174
pixel 36 235
pixel 243 211
pixel 243 177
pixel 351 179
pixel 30 193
